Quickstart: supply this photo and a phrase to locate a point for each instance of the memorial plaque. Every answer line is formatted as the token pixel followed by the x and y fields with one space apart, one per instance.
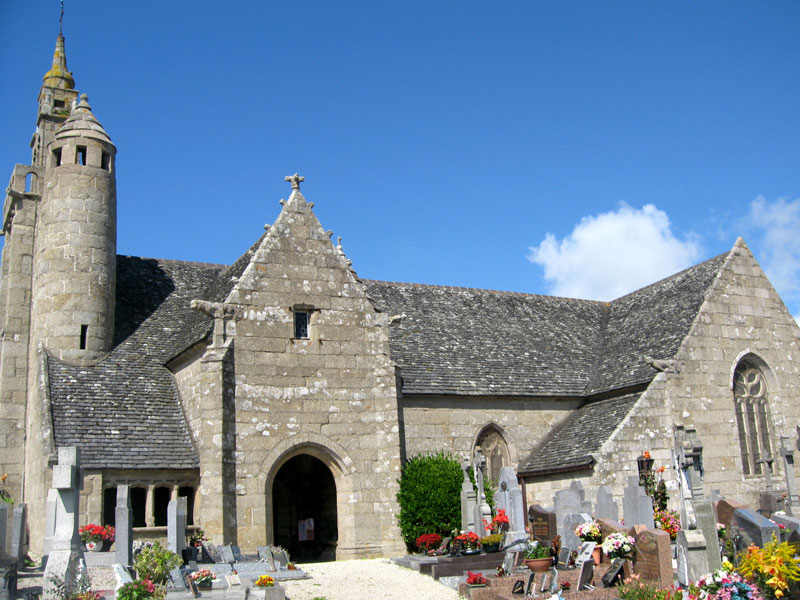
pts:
pixel 510 563
pixel 543 523
pixel 233 579
pixel 585 577
pixel 563 557
pixel 614 574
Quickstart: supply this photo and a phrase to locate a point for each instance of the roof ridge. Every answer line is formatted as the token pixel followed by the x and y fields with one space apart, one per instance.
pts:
pixel 472 289
pixel 176 261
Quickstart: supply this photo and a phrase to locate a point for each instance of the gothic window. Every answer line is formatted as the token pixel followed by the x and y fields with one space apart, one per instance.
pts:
pixel 752 417
pixel 495 449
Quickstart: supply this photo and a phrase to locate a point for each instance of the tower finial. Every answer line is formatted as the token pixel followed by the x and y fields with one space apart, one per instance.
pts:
pixel 58 76
pixel 61 19
pixel 295 180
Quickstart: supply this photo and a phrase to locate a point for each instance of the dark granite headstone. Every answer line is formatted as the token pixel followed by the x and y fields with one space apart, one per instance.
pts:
pixel 586 574
pixel 613 576
pixel 237 554
pixel 563 557
pixel 754 528
pixel 543 523
pixel 209 553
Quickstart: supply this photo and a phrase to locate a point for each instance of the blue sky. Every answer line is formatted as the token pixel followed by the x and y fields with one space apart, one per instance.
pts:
pixel 575 148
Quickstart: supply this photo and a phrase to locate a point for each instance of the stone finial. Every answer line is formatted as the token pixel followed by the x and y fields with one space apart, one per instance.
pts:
pixel 667 365
pixel 295 180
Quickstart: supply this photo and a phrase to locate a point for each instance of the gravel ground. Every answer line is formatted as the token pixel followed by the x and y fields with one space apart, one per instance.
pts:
pixel 371 579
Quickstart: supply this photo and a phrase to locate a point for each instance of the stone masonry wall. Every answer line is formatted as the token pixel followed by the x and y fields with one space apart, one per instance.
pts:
pixel 331 396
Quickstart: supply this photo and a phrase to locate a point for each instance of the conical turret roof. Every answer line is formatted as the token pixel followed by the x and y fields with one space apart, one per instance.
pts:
pixel 82 123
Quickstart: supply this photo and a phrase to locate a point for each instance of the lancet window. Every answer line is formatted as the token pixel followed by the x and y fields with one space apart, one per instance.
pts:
pixel 751 400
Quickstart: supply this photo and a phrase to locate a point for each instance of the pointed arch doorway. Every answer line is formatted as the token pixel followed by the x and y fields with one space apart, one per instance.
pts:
pixel 304 509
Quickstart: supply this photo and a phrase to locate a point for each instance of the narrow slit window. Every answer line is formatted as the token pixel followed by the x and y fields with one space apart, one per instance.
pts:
pixel 301 324
pixel 105 161
pixel 84 332
pixel 57 157
pixel 81 155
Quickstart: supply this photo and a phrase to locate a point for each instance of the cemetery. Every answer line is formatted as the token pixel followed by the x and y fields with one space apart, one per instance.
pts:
pixel 575 547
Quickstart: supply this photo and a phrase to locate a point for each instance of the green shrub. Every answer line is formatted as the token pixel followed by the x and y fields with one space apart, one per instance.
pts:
pixel 155 563
pixel 429 497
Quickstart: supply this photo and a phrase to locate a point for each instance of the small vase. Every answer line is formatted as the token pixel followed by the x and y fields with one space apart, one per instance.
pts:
pixel 204 585
pixel 94 546
pixel 539 565
pixel 597 555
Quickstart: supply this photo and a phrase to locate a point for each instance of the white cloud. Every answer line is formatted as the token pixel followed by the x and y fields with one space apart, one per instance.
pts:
pixel 778 226
pixel 609 255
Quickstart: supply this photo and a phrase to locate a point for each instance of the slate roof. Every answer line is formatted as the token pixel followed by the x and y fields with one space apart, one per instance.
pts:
pixel 569 445
pixel 125 412
pixel 482 342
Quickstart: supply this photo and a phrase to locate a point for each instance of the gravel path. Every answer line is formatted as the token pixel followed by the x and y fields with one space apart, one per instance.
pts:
pixel 371 579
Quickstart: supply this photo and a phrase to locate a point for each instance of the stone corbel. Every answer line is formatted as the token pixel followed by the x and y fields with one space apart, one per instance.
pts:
pixel 221 313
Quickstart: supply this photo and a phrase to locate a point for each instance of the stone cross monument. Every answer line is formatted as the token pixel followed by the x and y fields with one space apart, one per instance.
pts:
pixel 509 498
pixel 792 499
pixel 468 499
pixel 482 510
pixel 65 564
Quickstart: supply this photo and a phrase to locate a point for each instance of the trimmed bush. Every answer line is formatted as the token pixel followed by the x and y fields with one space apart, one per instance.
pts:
pixel 429 497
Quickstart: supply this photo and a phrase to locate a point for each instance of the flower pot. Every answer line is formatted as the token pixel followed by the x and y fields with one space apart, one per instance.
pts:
pixel 95 546
pixel 597 555
pixel 469 551
pixel 491 548
pixel 539 565
pixel 204 585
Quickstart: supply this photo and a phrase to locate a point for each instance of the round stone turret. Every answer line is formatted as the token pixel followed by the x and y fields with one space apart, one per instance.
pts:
pixel 76 241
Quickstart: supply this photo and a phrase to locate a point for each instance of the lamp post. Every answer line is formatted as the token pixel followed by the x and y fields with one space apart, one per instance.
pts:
pixel 645 465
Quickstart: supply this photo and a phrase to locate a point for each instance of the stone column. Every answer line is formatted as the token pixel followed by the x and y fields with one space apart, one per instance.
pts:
pixel 123 519
pixel 149 512
pixel 176 525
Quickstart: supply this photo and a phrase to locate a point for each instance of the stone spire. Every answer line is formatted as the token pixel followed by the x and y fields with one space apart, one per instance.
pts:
pixel 58 76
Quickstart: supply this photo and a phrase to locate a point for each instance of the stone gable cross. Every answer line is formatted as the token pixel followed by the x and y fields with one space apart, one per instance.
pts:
pixel 294 180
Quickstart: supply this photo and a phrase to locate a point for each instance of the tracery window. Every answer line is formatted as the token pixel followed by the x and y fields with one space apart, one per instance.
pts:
pixel 495 449
pixel 751 399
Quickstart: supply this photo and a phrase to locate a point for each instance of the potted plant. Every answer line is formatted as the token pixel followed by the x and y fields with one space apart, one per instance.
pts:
pixel 428 541
pixel 491 543
pixel 618 545
pixel 470 543
pixel 204 578
pixel 475 580
pixel 669 521
pixel 94 537
pixel 141 589
pixel 264 581
pixel 537 557
pixel 154 563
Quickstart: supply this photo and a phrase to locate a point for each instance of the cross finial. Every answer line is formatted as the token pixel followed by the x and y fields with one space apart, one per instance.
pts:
pixel 294 180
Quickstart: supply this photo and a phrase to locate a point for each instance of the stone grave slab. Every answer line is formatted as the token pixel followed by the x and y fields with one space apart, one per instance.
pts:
pixel 5 516
pixel 566 502
pixel 754 528
pixel 18 531
pixel 176 525
pixel 586 574
pixel 606 507
pixel 543 523
pixel 707 523
pixel 653 557
pixel 725 510
pixel 571 521
pixel 237 554
pixel 791 523
pixel 637 507
pixel 692 555
pixel 123 522
pixel 121 575
pixel 226 554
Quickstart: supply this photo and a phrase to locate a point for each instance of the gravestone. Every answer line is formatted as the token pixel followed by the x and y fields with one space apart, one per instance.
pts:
pixel 226 554
pixel 585 553
pixel 49 523
pixel 792 498
pixel 586 574
pixel 237 554
pixel 281 557
pixel 607 527
pixel 794 541
pixel 571 521
pixel 614 575
pixel 543 523
pixel 563 557
pixel 19 548
pixel 549 582
pixel 790 523
pixel 692 556
pixel 637 507
pixel 754 528
pixel 469 500
pixel 209 553
pixel 566 502
pixel 123 523
pixel 577 487
pixel 707 523
pixel 510 563
pixel 653 557
pixel 605 507
pixel 483 513
pixel 65 564
pixel 121 576
pixel 176 525
pixel 5 512
pixel 725 510
pixel 769 502
pixel 509 498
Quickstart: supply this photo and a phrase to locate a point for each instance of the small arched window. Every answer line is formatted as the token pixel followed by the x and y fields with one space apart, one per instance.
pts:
pixel 31 183
pixel 495 449
pixel 751 399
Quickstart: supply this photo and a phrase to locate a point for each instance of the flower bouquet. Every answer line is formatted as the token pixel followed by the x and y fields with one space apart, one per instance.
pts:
pixel 264 581
pixel 589 532
pixel 475 578
pixel 618 545
pixel 669 521
pixel 499 524
pixel 469 540
pixel 203 578
pixel 724 584
pixel 428 541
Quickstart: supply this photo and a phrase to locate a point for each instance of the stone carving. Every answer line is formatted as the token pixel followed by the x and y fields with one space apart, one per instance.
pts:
pixel 295 180
pixel 482 510
pixel 468 499
pixel 666 365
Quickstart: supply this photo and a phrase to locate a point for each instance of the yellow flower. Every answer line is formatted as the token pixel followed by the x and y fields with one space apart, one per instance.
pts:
pixel 778 594
pixel 4 477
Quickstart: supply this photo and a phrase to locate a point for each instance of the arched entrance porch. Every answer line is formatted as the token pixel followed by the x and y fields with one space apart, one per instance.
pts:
pixel 304 509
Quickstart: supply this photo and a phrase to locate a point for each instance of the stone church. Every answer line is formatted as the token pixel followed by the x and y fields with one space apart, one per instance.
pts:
pixel 281 394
